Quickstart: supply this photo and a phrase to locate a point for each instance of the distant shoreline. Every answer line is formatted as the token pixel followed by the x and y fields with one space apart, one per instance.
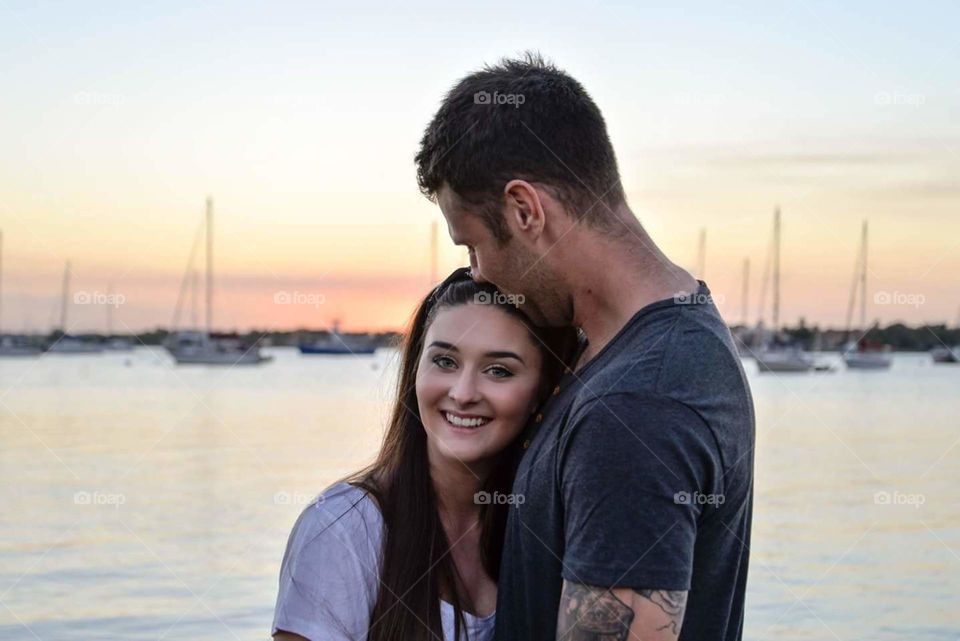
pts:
pixel 900 337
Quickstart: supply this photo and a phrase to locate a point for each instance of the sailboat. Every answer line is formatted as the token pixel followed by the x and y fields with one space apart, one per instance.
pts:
pixel 12 345
pixel 944 354
pixel 337 343
pixel 773 356
pixel 863 353
pixel 114 343
pixel 67 344
pixel 201 347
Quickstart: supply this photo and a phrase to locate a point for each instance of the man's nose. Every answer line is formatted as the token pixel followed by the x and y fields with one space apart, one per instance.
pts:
pixel 475 269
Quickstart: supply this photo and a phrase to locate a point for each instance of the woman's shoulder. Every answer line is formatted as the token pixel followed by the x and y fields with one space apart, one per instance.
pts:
pixel 344 510
pixel 328 577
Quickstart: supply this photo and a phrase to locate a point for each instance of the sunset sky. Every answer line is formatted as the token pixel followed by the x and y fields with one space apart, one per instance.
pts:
pixel 302 119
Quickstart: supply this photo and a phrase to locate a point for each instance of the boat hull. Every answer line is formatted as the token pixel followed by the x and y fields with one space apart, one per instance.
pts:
pixel 784 362
pixel 945 355
pixel 316 349
pixel 859 360
pixel 19 352
pixel 203 357
pixel 64 347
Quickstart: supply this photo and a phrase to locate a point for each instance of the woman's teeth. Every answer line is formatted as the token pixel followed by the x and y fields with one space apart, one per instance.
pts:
pixel 465 422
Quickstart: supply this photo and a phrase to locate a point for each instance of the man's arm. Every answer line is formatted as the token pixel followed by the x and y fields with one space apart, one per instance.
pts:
pixel 589 613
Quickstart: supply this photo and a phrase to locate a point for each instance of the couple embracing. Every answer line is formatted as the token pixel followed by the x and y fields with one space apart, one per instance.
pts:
pixel 570 450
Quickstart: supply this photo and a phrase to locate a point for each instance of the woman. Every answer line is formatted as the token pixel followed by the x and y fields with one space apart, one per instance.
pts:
pixel 409 549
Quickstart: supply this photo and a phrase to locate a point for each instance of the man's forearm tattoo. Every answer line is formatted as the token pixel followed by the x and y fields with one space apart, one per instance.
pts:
pixel 672 602
pixel 592 614
pixel 596 614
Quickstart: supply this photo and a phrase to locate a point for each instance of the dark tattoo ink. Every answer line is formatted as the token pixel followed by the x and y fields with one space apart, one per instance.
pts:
pixel 673 603
pixel 592 614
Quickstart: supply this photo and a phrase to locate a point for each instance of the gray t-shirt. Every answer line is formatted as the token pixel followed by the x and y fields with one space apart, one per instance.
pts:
pixel 329 578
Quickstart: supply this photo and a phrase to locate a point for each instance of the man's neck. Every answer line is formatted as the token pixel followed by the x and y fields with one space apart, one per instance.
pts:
pixel 624 275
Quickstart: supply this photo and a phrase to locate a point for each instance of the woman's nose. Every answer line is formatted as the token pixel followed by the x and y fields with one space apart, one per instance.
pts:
pixel 464 391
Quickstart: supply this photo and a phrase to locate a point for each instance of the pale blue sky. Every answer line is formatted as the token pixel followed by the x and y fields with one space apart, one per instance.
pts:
pixel 123 117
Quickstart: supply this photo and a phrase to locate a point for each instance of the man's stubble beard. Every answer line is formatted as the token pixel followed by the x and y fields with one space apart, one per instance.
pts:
pixel 538 285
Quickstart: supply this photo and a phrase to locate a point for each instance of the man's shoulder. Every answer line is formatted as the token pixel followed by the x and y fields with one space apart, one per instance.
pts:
pixel 687 344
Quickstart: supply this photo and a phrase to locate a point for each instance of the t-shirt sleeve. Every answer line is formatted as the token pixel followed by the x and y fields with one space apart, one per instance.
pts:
pixel 328 578
pixel 636 472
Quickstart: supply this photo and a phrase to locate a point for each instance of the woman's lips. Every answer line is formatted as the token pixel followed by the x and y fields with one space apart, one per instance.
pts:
pixel 466 423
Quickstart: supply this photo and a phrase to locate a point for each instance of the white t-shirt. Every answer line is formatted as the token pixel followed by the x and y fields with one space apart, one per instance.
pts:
pixel 329 578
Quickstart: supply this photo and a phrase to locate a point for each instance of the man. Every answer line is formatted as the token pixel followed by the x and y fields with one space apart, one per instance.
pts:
pixel 638 474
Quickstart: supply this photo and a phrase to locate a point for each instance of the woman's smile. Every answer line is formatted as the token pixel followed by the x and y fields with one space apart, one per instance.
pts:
pixel 469 423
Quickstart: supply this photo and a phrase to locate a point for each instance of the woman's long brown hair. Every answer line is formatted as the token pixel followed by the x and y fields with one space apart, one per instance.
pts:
pixel 415 565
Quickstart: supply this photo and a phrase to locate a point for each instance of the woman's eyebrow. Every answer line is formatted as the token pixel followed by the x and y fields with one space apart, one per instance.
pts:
pixel 504 355
pixel 453 348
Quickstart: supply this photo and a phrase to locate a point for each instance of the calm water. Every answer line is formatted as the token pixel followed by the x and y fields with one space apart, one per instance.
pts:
pixel 143 501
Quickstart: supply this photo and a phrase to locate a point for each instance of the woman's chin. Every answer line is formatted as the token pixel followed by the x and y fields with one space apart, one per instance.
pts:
pixel 467 453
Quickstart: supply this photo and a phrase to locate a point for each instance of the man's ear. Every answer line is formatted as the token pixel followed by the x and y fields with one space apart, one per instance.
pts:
pixel 524 210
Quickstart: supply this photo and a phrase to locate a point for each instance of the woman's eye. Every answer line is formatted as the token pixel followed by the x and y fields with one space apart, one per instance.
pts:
pixel 443 361
pixel 500 372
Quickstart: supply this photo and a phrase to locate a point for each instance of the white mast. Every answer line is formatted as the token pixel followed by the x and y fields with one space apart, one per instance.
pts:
pixel 1 282
pixel 433 253
pixel 702 255
pixel 863 280
pixel 65 296
pixel 746 291
pixel 209 265
pixel 776 270
pixel 109 309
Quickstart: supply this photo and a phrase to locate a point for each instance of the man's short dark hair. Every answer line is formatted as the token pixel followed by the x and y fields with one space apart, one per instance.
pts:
pixel 521 119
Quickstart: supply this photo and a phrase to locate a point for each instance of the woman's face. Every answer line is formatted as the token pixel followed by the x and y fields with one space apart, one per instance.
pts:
pixel 476 382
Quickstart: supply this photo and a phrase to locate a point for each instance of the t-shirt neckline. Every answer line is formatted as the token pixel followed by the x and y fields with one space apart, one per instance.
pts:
pixel 702 293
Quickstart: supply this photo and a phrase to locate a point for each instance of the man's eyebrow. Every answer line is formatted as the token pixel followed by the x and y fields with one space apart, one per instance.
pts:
pixel 453 348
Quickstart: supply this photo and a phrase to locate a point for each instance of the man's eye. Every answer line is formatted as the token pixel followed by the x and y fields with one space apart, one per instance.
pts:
pixel 444 362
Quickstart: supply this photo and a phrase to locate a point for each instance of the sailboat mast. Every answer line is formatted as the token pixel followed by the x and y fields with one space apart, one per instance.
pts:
pixel 745 294
pixel 209 286
pixel 863 280
pixel 109 307
pixel 1 282
pixel 194 287
pixel 702 254
pixel 65 295
pixel 433 253
pixel 776 270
